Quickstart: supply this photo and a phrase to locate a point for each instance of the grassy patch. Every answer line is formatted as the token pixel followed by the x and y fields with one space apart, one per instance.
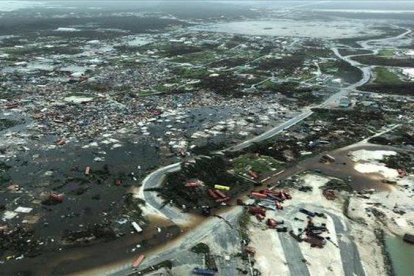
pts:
pixel 385 76
pixel 244 221
pixel 192 73
pixel 386 53
pixel 388 82
pixel 58 50
pixel 259 164
pixel 385 61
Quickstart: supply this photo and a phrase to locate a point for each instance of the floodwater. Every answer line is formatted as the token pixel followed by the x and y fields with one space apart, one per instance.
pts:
pixel 292 28
pixel 96 255
pixel 342 168
pixel 401 254
pixel 7 6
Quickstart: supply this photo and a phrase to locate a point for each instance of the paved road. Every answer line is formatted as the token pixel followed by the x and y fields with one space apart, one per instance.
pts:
pixel 351 261
pixel 155 203
pixel 274 131
pixel 293 255
pixel 179 251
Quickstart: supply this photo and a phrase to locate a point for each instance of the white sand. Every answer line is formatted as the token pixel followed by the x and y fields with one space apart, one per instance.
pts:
pixel 370 155
pixel 368 161
pixel 377 168
pixel 327 260
pixel 269 253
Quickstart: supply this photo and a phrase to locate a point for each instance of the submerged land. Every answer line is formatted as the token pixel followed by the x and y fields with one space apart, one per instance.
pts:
pixel 242 139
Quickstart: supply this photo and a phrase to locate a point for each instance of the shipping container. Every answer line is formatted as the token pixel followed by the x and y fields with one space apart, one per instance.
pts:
pixel 258 195
pixel 138 261
pixel 221 187
pixel 212 194
pixel 220 194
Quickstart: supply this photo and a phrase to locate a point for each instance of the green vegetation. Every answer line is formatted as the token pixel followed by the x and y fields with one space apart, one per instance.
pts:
pixel 404 161
pixel 386 52
pixel 192 73
pixel 385 76
pixel 244 221
pixel 292 89
pixel 200 248
pixel 161 88
pixel 389 82
pixel 225 84
pixel 329 67
pixel 281 87
pixel 341 69
pixel 337 184
pixel 197 57
pixel 209 169
pixel 346 52
pixel 144 93
pixel 385 61
pixel 58 50
pixel 257 163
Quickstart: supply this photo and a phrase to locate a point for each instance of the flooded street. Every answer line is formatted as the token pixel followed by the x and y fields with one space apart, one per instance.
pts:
pixel 291 28
pixel 96 255
pixel 343 168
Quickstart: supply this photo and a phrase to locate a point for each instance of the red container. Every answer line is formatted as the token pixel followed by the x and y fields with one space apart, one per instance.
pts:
pixel 212 194
pixel 138 261
pixel 258 195
pixel 220 193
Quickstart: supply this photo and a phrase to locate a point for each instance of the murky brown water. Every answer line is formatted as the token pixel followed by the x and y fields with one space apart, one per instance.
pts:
pixel 119 251
pixel 95 255
pixel 343 168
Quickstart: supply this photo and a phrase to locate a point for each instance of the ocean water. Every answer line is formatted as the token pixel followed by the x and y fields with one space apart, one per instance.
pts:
pixel 402 255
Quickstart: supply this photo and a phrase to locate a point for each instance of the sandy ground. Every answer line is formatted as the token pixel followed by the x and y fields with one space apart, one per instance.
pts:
pixel 326 261
pixel 381 169
pixel 392 211
pixel 370 162
pixel 369 155
pixel 369 248
pixel 270 259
